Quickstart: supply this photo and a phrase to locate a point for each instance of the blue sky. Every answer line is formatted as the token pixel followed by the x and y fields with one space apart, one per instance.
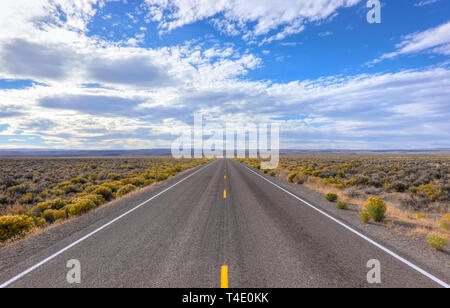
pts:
pixel 131 74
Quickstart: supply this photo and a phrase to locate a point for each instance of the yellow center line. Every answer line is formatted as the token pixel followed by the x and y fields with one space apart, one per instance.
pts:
pixel 224 277
pixel 225 194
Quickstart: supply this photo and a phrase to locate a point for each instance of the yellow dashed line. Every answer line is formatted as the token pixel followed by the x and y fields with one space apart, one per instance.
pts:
pixel 224 277
pixel 225 194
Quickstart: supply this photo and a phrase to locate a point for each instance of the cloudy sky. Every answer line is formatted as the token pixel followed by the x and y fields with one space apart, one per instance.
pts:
pixel 130 74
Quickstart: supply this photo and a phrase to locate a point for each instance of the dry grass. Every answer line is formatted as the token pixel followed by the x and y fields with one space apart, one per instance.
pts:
pixel 415 182
pixel 26 182
pixel 72 186
pixel 411 185
pixel 396 217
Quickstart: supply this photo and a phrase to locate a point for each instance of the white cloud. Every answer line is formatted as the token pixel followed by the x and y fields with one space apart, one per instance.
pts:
pixel 290 44
pixel 235 16
pixel 294 28
pixel 435 40
pixel 16 140
pixel 23 17
pixel 20 58
pixel 134 90
pixel 384 110
pixel 142 97
pixel 226 27
pixel 326 33
pixel 425 2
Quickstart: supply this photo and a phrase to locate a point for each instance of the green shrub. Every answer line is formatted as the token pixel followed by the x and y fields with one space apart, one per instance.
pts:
pixel 297 177
pixel 39 221
pixel 81 207
pixel 148 182
pixel 273 173
pixel 397 186
pixel 58 192
pixel 114 186
pixel 40 207
pixel 364 216
pixel 97 199
pixel 55 204
pixel 15 226
pixel 114 176
pixel 90 189
pixel 27 199
pixel 292 176
pixel 54 215
pixel 78 180
pixel 136 181
pixel 125 190
pixel 342 205
pixel 433 191
pixel 67 209
pixel 43 194
pixel 445 222
pixel 93 177
pixel 331 197
pixel 163 177
pixel 59 214
pixel 48 215
pixel 106 192
pixel 349 183
pixel 63 184
pixel 437 241
pixel 18 189
pixel 72 188
pixel 376 208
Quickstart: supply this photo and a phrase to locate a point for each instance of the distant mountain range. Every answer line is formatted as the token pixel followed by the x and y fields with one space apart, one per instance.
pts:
pixel 80 153
pixel 12 153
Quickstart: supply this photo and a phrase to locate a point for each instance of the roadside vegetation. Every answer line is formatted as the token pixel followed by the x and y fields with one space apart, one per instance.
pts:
pixel 437 241
pixel 342 205
pixel 35 193
pixel 409 193
pixel 331 197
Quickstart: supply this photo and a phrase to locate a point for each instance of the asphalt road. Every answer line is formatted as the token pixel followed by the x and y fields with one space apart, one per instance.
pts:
pixel 187 233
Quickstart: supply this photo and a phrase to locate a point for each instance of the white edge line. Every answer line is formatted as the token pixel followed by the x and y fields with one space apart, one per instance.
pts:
pixel 393 254
pixel 31 269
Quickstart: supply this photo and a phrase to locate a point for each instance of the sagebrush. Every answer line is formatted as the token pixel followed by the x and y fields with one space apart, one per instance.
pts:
pixel 41 191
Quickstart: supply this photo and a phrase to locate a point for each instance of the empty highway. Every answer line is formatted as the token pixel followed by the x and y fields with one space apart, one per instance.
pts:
pixel 219 225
